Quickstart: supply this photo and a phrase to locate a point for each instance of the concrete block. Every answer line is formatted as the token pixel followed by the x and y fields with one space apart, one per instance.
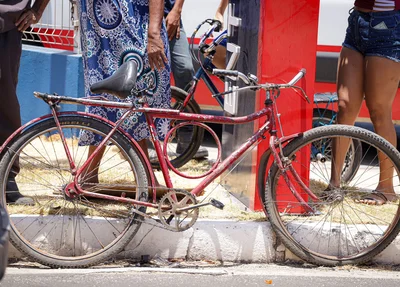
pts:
pixel 244 241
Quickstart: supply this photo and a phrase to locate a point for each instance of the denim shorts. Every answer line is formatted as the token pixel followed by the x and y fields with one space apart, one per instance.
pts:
pixel 374 34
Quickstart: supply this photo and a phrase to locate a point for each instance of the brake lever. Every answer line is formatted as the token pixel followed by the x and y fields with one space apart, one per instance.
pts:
pixel 303 94
pixel 218 27
pixel 253 81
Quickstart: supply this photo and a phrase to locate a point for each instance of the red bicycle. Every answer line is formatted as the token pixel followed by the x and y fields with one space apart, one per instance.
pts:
pixel 75 222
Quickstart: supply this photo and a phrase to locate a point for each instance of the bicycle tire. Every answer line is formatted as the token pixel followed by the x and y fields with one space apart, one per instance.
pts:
pixel 350 236
pixel 353 160
pixel 42 175
pixel 196 134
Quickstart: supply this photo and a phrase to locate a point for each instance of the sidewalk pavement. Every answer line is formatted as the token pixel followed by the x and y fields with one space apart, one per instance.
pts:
pixel 222 240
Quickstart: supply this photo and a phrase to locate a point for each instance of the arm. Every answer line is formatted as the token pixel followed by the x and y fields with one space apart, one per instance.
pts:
pixel 31 16
pixel 219 14
pixel 155 46
pixel 173 20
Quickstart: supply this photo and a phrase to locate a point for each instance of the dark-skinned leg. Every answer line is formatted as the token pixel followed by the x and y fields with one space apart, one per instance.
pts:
pixel 350 93
pixel 91 174
pixel 382 78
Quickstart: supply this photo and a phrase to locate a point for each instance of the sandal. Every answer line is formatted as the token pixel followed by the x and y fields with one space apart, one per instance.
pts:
pixel 373 198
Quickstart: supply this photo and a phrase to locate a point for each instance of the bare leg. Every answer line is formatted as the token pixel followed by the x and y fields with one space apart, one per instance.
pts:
pixel 92 171
pixel 160 188
pixel 91 174
pixel 382 78
pixel 350 92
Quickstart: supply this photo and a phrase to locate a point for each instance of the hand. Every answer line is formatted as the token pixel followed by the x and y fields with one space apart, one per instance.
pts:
pixel 173 22
pixel 155 51
pixel 220 17
pixel 27 18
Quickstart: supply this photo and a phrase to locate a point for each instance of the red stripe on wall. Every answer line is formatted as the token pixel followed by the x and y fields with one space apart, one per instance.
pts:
pixel 326 48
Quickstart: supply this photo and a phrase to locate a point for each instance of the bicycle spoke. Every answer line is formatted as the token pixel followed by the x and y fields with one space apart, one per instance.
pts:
pixel 341 228
pixel 61 223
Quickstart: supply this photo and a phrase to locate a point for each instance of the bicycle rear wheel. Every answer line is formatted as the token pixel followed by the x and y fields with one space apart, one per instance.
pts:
pixel 354 154
pixel 67 230
pixel 185 143
pixel 339 229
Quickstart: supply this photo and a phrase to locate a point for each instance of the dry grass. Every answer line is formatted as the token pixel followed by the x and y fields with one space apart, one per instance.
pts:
pixel 348 210
pixel 44 179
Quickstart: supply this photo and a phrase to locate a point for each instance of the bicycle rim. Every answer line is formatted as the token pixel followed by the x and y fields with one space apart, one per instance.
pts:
pixel 184 144
pixel 339 230
pixel 59 229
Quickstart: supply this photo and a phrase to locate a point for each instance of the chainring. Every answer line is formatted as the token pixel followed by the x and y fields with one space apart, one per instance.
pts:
pixel 169 214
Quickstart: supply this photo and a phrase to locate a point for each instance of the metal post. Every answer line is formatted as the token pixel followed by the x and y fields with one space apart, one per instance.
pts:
pixel 75 24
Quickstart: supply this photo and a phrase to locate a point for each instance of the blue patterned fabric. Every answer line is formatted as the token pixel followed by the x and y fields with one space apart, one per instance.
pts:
pixel 168 5
pixel 112 32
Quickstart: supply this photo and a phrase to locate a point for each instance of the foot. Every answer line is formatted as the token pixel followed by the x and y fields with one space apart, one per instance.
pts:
pixel 113 189
pixel 161 190
pixel 21 200
pixel 377 198
pixel 13 196
pixel 154 158
pixel 202 152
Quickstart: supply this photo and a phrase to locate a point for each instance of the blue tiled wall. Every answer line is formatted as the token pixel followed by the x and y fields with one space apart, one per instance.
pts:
pixel 51 71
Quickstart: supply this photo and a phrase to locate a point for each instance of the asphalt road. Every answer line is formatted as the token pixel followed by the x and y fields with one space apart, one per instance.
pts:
pixel 242 275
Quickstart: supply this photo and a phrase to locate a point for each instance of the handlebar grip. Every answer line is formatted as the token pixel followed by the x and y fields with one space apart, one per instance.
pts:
pixel 219 72
pixel 296 78
pixel 218 25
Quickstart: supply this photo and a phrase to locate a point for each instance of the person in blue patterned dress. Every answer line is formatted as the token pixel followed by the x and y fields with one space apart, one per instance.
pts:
pixel 116 31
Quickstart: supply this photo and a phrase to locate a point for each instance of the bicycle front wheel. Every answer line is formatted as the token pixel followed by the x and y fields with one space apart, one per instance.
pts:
pixel 56 227
pixel 336 227
pixel 354 153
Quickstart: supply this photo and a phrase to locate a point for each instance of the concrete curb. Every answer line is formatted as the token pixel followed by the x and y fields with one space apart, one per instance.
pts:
pixel 224 240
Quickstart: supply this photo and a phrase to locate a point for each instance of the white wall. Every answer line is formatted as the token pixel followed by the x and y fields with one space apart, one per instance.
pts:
pixel 196 11
pixel 332 18
pixel 333 21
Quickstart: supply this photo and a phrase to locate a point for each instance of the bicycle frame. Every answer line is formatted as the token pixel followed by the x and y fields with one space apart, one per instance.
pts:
pixel 151 113
pixel 202 74
pixel 207 65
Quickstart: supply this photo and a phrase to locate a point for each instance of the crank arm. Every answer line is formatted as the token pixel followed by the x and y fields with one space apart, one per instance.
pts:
pixel 192 207
pixel 146 215
pixel 212 202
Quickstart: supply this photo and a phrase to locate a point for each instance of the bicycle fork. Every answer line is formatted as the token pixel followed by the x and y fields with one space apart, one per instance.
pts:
pixel 285 165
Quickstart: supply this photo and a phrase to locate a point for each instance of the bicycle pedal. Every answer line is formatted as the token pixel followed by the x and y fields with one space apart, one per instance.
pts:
pixel 217 204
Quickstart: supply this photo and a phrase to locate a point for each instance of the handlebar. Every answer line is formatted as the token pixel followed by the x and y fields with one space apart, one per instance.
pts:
pixel 205 49
pixel 267 86
pixel 297 78
pixel 229 73
pixel 215 26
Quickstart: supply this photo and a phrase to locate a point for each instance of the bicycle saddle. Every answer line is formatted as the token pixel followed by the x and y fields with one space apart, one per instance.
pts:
pixel 120 83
